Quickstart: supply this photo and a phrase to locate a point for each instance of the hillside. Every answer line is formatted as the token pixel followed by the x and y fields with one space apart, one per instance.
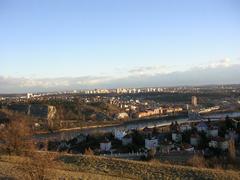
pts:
pixel 91 167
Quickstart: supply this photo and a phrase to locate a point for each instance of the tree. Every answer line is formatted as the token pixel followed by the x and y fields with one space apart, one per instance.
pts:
pixel 138 139
pixel 228 122
pixel 16 136
pixel 172 126
pixel 151 154
pixel 186 135
pixel 203 141
pixel 231 150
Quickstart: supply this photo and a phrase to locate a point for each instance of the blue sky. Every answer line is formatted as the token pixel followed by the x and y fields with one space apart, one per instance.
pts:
pixel 42 39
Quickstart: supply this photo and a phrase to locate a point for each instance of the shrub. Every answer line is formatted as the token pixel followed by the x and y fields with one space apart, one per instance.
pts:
pixel 88 151
pixel 231 151
pixel 38 164
pixel 151 154
pixel 197 161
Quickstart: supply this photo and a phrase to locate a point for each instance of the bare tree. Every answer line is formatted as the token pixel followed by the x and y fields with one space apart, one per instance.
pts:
pixel 15 137
pixel 231 150
pixel 151 153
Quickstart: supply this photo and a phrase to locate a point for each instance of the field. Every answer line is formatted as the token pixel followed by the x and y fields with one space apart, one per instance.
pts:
pixel 92 167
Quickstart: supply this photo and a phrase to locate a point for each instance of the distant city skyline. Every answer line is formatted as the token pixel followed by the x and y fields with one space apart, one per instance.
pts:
pixel 63 45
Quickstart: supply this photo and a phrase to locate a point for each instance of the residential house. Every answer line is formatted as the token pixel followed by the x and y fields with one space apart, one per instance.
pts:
pixel 202 126
pixel 147 131
pixel 119 134
pixel 80 138
pixel 219 142
pixel 176 137
pixel 151 143
pixel 236 123
pixel 188 147
pixel 166 146
pixel 185 127
pixel 213 143
pixel 212 131
pixel 122 116
pixel 127 140
pixel 150 112
pixel 194 139
pixel 105 145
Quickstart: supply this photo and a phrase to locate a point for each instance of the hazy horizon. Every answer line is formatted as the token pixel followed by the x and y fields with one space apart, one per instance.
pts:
pixel 60 45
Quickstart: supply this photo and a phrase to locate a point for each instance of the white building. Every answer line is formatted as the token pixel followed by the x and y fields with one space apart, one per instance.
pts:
pixel 122 115
pixel 151 143
pixel 119 134
pixel 185 127
pixel 202 126
pixel 213 144
pixel 212 132
pixel 176 137
pixel 194 139
pixel 133 107
pixel 219 142
pixel 105 145
pixel 29 95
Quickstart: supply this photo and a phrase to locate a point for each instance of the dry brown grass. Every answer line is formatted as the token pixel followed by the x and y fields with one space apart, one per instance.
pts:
pixel 197 161
pixel 144 170
pixel 16 167
pixel 94 167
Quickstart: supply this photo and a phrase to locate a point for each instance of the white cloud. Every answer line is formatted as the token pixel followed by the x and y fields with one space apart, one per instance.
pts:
pixel 150 70
pixel 226 62
pixel 222 71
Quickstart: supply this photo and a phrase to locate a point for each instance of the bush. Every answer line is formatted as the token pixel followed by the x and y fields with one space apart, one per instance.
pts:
pixel 37 165
pixel 88 151
pixel 151 154
pixel 197 161
pixel 231 151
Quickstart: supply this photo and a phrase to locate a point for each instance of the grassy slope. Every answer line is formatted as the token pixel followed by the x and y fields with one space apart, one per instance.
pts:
pixel 144 170
pixel 106 168
pixel 11 168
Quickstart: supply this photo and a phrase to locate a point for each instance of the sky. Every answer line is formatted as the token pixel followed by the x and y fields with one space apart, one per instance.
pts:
pixel 76 44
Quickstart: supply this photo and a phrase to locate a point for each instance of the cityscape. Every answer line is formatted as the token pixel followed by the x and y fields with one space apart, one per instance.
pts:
pixel 119 90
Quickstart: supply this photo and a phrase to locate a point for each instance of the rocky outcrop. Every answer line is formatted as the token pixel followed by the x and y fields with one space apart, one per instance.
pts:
pixel 35 110
pixel 51 115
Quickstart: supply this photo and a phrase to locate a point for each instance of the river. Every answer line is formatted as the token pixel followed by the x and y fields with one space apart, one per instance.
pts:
pixel 163 121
